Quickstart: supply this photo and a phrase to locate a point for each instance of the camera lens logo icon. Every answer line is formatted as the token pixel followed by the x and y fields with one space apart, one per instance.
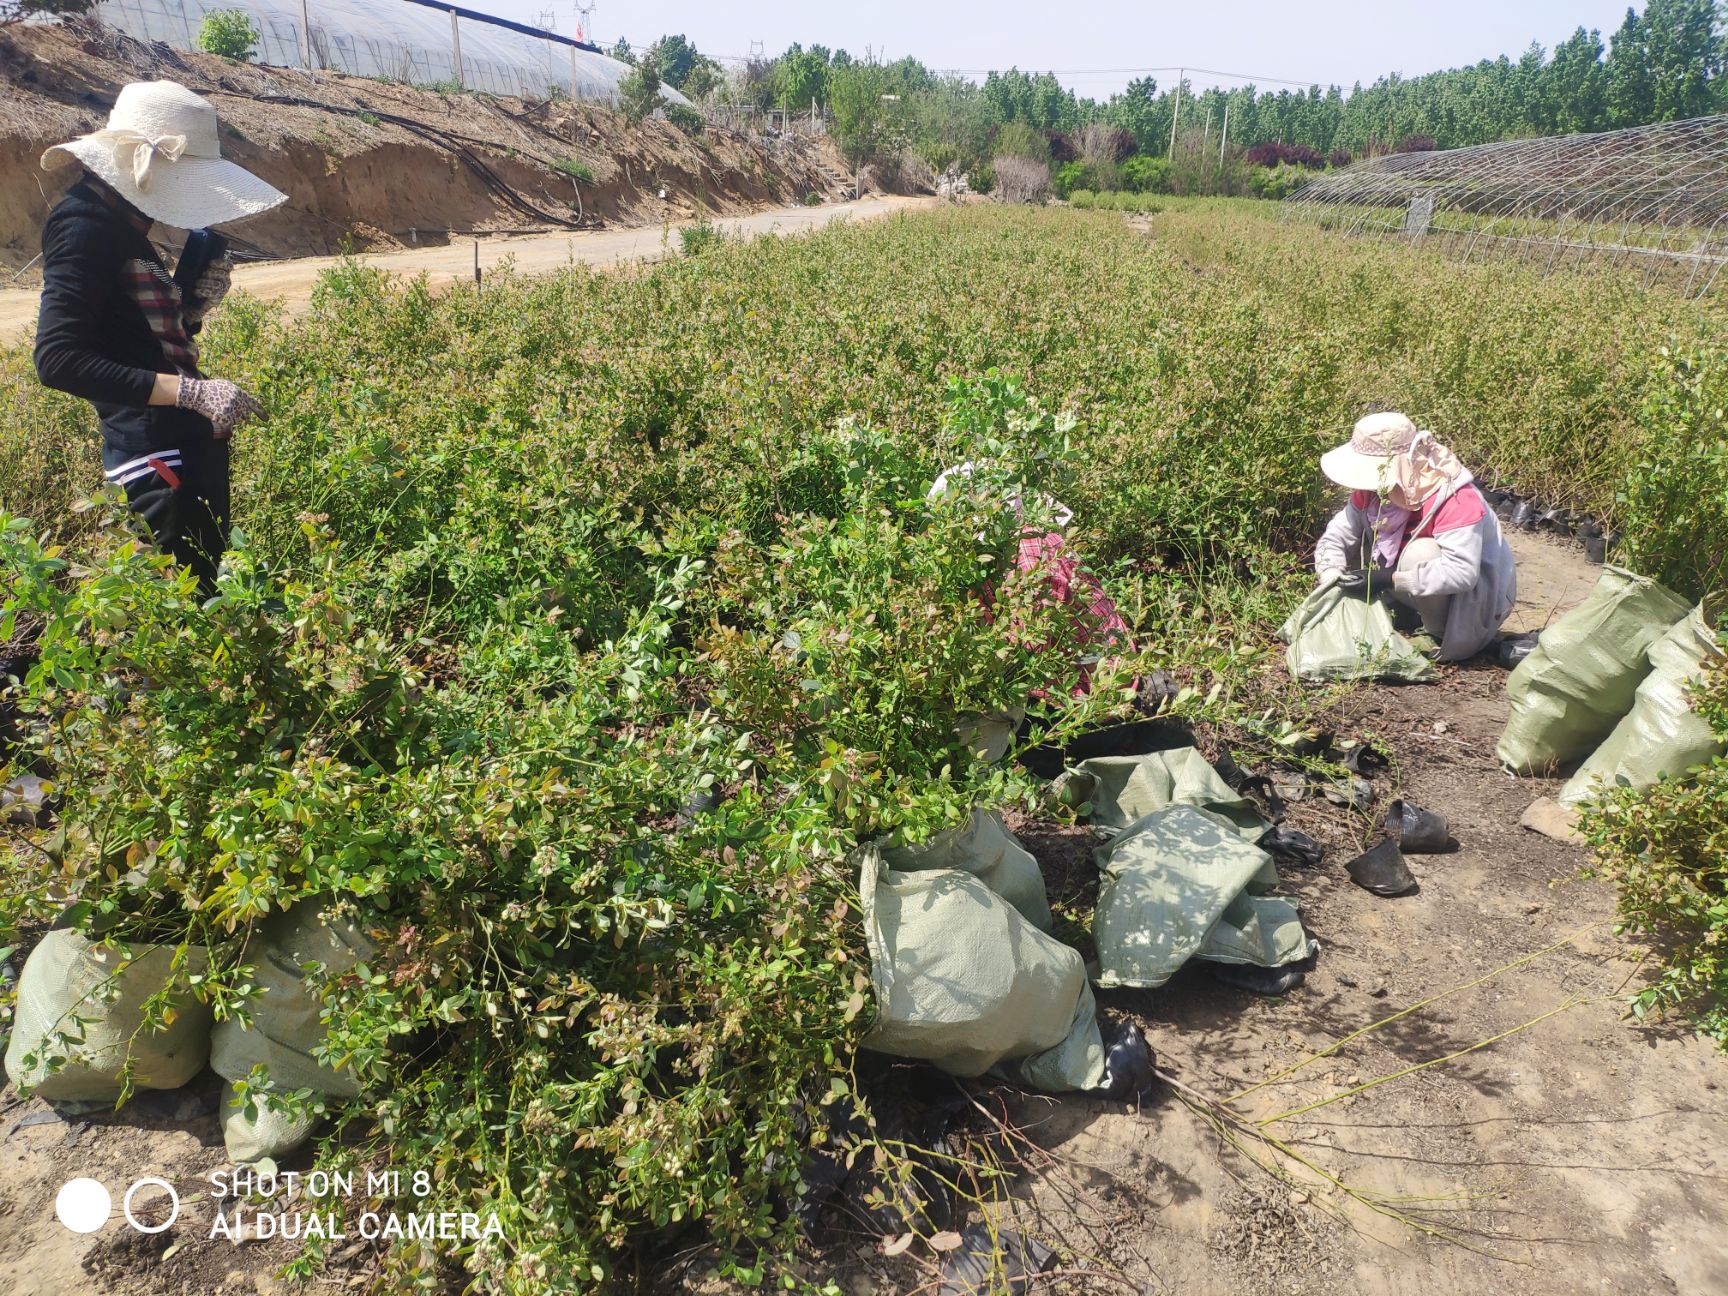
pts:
pixel 84 1205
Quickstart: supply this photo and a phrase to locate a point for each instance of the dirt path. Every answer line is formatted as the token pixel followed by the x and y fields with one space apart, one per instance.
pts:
pixel 1584 1154
pixel 291 281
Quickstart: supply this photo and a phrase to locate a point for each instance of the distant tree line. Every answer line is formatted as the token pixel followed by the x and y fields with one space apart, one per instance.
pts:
pixel 1667 63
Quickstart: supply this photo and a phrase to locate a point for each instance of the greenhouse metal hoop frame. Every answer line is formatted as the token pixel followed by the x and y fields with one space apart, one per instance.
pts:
pixel 1655 195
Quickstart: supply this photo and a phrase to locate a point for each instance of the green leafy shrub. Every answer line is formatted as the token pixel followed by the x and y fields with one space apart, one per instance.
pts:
pixel 229 34
pixel 1674 505
pixel 600 1008
pixel 981 178
pixel 685 118
pixel 699 236
pixel 639 91
pixel 1666 849
pixel 575 168
pixel 1069 177
pixel 1143 174
pixel 1018 139
pixel 1278 182
pixel 1084 199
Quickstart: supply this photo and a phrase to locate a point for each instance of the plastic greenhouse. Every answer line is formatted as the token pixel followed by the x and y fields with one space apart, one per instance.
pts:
pixel 403 41
pixel 1654 198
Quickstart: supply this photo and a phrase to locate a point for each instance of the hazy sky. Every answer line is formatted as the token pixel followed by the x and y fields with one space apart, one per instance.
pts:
pixel 1340 41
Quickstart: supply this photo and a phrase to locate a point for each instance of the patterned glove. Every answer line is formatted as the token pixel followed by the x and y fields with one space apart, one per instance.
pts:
pixel 226 405
pixel 208 292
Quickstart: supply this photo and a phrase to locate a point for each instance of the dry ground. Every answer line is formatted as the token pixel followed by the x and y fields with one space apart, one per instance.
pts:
pixel 1586 1153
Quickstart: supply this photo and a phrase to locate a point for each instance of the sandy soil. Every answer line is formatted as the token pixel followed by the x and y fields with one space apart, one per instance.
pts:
pixel 1582 1153
pixel 290 281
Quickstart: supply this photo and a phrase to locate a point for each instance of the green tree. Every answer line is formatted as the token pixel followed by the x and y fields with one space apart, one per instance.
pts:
pixel 1685 53
pixel 869 112
pixel 1577 84
pixel 1137 111
pixel 229 33
pixel 951 125
pixel 676 58
pixel 801 76
pixel 639 93
pixel 1631 93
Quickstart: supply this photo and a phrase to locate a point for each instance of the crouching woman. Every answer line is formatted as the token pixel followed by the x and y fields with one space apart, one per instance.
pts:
pixel 1417 530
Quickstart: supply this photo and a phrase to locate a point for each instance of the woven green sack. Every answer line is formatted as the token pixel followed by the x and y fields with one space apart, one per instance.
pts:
pixel 1338 636
pixel 79 1020
pixel 966 983
pixel 1662 737
pixel 1180 884
pixel 1584 672
pixel 286 1027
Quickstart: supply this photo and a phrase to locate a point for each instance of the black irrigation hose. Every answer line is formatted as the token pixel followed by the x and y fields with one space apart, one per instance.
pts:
pixel 457 144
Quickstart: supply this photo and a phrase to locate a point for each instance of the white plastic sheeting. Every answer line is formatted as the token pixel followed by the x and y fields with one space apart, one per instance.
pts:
pixel 404 42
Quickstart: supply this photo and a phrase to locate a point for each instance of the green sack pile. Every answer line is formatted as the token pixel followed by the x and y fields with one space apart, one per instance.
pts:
pixel 285 1028
pixel 80 1017
pixel 1584 672
pixel 1338 636
pixel 1182 883
pixel 1661 737
pixel 966 980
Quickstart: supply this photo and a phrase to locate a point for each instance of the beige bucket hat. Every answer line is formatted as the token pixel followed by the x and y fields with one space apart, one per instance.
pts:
pixel 1367 460
pixel 159 151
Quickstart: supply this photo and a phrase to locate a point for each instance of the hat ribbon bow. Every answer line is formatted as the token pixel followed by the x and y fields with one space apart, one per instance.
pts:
pixel 136 152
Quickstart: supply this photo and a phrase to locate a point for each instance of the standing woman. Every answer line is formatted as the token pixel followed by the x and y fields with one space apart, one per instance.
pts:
pixel 114 328
pixel 1432 542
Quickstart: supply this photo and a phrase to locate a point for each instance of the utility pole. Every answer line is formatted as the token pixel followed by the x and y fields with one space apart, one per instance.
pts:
pixel 1175 108
pixel 306 27
pixel 1224 137
pixel 456 48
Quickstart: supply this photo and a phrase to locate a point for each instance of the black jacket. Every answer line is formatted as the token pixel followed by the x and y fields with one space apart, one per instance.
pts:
pixel 92 340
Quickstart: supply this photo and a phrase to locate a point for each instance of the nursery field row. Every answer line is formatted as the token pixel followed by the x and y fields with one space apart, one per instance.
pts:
pixel 580 628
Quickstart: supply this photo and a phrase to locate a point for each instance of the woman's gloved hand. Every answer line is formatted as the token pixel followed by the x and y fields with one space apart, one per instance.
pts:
pixel 225 404
pixel 1366 583
pixel 207 293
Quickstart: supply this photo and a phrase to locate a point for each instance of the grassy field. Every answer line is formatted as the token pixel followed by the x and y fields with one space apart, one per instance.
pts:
pixel 529 571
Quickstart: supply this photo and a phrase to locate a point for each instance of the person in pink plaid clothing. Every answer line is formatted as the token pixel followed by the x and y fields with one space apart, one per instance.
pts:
pixel 1047 555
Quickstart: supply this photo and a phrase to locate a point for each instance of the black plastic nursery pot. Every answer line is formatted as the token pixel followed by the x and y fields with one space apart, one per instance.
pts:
pixel 1417 831
pixel 1382 870
pixel 1138 738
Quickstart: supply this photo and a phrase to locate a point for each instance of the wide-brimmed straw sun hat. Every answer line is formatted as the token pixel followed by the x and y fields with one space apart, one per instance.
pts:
pixel 1365 462
pixel 159 151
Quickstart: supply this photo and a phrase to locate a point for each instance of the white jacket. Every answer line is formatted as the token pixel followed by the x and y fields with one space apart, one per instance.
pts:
pixel 1475 567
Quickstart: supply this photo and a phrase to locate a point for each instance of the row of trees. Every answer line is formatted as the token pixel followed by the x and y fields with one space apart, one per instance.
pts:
pixel 1667 63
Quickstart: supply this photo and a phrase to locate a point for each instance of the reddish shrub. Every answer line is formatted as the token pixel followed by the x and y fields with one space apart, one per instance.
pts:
pixel 1340 157
pixel 1273 152
pixel 1416 144
pixel 1062 147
